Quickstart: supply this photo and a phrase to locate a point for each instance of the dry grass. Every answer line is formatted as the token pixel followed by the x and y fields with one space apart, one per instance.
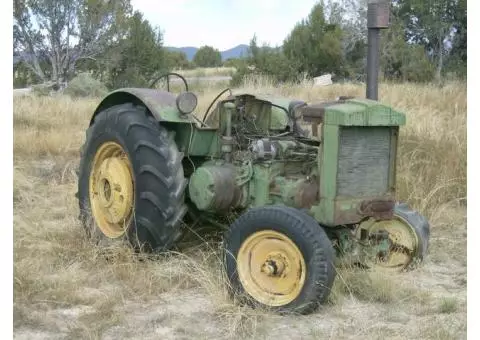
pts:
pixel 65 287
pixel 207 72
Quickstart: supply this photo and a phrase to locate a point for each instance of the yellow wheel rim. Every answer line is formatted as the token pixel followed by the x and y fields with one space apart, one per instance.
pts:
pixel 271 268
pixel 111 189
pixel 404 239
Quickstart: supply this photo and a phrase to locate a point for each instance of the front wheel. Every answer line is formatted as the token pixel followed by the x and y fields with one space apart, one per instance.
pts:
pixel 279 258
pixel 408 239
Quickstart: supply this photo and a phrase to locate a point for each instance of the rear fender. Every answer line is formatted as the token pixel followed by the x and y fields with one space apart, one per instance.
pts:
pixel 160 103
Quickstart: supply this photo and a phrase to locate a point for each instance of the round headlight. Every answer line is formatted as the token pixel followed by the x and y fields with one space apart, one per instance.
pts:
pixel 186 102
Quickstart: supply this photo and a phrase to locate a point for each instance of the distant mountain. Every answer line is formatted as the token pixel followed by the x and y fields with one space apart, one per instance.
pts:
pixel 235 52
pixel 189 51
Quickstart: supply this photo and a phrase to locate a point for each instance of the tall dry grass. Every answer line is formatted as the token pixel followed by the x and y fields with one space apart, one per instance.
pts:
pixel 57 268
pixel 207 72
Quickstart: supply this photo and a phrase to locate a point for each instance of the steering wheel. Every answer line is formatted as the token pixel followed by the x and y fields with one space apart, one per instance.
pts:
pixel 153 83
pixel 213 102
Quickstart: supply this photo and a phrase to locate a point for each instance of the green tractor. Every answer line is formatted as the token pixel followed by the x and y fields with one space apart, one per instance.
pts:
pixel 310 185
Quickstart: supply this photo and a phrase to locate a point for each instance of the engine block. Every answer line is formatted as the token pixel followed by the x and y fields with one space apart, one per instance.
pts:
pixel 213 187
pixel 272 171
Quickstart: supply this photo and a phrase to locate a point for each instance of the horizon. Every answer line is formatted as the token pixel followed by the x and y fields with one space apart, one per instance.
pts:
pixel 198 47
pixel 213 23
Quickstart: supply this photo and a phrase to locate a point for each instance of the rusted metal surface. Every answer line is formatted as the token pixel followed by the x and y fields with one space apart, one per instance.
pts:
pixel 315 113
pixel 378 14
pixel 378 17
pixel 227 194
pixel 345 217
pixel 315 129
pixel 380 209
pixel 213 187
pixel 274 189
pixel 307 194
pixel 151 97
pixel 161 104
pixel 378 236
pixel 363 161
pixel 373 62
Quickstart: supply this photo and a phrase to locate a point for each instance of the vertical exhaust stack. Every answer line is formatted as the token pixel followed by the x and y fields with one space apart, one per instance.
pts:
pixel 378 17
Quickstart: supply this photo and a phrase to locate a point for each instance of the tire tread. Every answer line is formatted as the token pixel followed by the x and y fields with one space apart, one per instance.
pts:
pixel 159 181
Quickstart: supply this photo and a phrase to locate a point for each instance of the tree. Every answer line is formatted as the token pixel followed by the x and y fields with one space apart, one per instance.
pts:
pixel 207 56
pixel 139 56
pixel 315 46
pixel 234 62
pixel 177 60
pixel 351 17
pixel 429 23
pixel 21 75
pixel 267 61
pixel 458 54
pixel 59 33
pixel 401 60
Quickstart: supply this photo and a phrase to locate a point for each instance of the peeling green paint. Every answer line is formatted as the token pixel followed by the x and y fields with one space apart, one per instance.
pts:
pixel 363 112
pixel 160 103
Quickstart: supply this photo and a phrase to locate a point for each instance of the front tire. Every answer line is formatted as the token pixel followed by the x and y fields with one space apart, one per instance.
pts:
pixel 279 258
pixel 131 183
pixel 409 234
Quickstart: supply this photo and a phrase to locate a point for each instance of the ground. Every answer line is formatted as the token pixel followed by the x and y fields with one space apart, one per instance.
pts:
pixel 65 287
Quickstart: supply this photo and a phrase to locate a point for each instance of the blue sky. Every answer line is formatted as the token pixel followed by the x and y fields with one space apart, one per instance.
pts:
pixel 223 23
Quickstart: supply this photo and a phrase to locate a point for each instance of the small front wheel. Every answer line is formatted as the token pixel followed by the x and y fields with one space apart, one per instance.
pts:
pixel 279 258
pixel 408 235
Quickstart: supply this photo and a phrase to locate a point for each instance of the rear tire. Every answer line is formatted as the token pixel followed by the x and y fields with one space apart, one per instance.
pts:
pixel 158 182
pixel 279 258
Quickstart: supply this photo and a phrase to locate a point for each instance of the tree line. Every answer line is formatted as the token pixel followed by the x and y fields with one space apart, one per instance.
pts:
pixel 426 41
pixel 55 40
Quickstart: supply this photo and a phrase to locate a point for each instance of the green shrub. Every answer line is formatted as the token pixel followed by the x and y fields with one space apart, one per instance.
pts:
pixel 42 90
pixel 84 85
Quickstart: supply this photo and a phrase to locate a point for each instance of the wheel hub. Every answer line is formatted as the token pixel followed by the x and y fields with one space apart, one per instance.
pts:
pixel 275 265
pixel 271 268
pixel 111 189
pixel 403 242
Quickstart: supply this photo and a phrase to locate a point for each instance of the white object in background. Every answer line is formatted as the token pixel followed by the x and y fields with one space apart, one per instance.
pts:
pixel 324 80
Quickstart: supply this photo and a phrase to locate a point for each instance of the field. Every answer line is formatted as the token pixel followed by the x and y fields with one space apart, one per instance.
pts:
pixel 207 72
pixel 65 288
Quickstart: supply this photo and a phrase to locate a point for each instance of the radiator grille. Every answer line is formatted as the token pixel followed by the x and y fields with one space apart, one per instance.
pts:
pixel 363 161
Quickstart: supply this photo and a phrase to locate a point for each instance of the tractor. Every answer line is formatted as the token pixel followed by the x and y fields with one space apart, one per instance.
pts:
pixel 311 185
